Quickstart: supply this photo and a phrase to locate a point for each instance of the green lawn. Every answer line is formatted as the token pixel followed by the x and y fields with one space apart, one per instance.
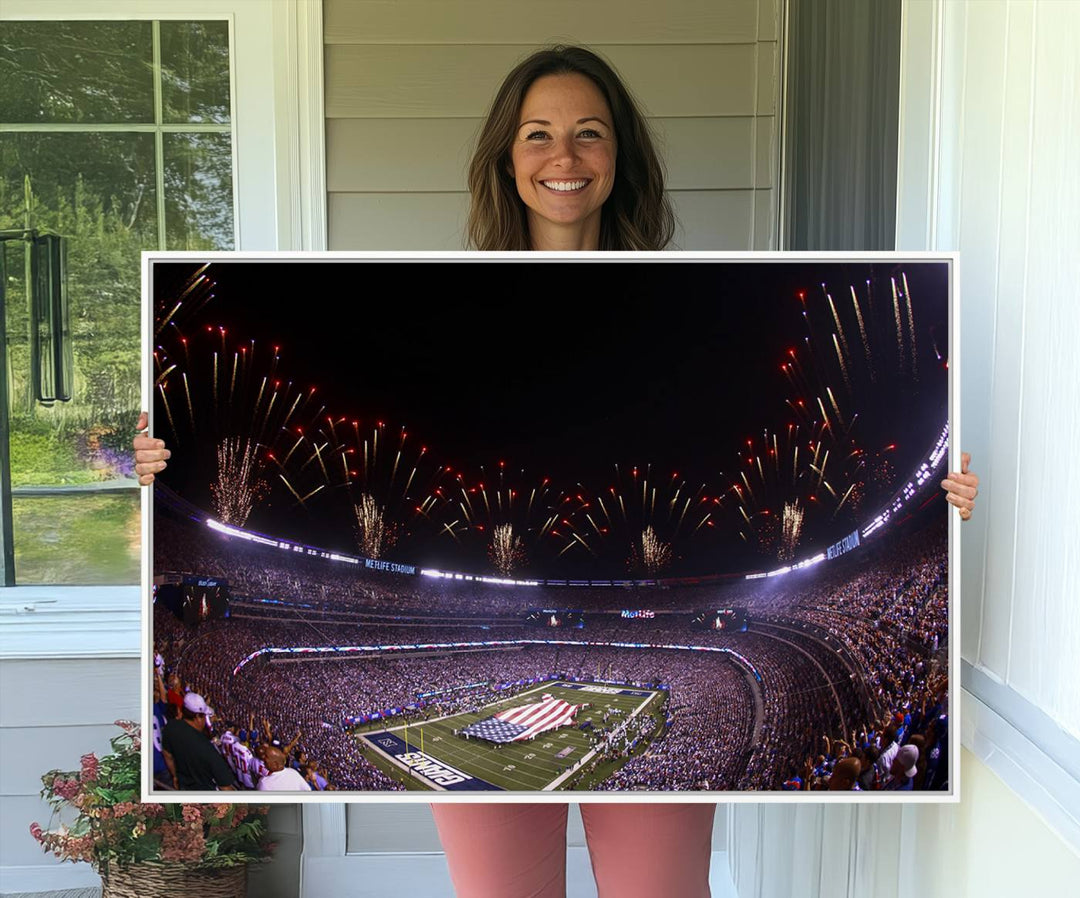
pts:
pixel 77 539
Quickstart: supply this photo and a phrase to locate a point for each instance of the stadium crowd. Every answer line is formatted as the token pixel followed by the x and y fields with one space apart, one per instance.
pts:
pixel 839 671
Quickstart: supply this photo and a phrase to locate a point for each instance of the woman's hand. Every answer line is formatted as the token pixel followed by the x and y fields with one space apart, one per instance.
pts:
pixel 962 488
pixel 150 454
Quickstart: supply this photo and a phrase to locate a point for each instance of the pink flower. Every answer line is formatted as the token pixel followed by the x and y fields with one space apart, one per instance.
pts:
pixel 181 842
pixel 65 788
pixel 89 767
pixel 36 832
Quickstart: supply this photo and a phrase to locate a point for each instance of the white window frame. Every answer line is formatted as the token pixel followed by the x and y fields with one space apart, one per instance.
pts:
pixel 276 52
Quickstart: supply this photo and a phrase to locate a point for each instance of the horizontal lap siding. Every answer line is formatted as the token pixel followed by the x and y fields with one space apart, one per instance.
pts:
pixel 524 22
pixel 408 84
pixel 392 221
pixel 28 751
pixel 52 713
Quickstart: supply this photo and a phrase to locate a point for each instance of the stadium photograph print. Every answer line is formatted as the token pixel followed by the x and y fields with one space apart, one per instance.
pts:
pixel 679 529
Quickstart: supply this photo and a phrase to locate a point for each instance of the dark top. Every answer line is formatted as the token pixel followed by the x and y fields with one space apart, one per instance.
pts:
pixel 198 763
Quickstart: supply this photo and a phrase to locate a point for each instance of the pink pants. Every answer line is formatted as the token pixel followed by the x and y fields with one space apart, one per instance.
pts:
pixel 519 850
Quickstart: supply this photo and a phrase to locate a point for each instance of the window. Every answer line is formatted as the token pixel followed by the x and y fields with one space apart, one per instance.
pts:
pixel 118 136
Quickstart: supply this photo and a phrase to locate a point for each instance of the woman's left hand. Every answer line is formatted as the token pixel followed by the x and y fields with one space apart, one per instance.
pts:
pixel 150 454
pixel 962 488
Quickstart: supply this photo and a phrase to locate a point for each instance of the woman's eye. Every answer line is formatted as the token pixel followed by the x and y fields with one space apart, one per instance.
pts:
pixel 536 135
pixel 589 132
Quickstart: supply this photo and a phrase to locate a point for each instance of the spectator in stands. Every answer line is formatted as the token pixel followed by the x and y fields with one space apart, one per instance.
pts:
pixel 845 776
pixel 280 778
pixel 903 770
pixel 163 712
pixel 192 760
pixel 889 749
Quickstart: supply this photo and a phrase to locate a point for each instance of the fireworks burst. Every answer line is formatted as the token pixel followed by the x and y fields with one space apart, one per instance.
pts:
pixel 815 467
pixel 397 482
pixel 652 554
pixel 231 395
pixel 238 486
pixel 641 509
pixel 506 551
pixel 791 530
pixel 373 534
pixel 215 389
pixel 540 517
pixel 801 467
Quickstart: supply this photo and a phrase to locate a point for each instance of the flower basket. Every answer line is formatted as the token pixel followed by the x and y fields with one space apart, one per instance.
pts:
pixel 155 880
pixel 149 850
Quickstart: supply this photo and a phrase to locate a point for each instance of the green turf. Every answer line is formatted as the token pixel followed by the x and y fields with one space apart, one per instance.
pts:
pixel 527 766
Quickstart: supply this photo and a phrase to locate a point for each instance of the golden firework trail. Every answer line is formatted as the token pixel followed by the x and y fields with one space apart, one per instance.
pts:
pixel 862 333
pixel 911 328
pixel 839 326
pixel 843 364
pixel 196 280
pixel 899 323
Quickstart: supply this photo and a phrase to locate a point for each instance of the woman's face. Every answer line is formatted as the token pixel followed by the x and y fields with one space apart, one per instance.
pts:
pixel 563 155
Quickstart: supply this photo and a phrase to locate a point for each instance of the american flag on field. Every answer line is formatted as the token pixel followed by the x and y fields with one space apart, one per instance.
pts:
pixel 525 721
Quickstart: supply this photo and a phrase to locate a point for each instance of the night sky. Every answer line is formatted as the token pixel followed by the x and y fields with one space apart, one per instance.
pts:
pixel 563 369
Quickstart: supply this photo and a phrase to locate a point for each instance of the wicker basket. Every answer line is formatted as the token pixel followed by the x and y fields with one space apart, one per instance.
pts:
pixel 174 881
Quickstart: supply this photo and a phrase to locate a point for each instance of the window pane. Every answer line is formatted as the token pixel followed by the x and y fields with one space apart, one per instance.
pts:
pixel 78 540
pixel 195 71
pixel 98 191
pixel 76 72
pixel 198 192
pixel 80 183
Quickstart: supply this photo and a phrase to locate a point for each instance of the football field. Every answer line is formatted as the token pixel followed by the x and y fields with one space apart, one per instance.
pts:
pixel 431 756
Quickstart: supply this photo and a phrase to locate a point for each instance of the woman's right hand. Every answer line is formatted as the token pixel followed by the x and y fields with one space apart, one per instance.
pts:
pixel 150 454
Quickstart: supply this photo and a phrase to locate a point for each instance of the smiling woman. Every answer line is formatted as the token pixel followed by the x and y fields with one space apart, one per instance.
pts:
pixel 565 161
